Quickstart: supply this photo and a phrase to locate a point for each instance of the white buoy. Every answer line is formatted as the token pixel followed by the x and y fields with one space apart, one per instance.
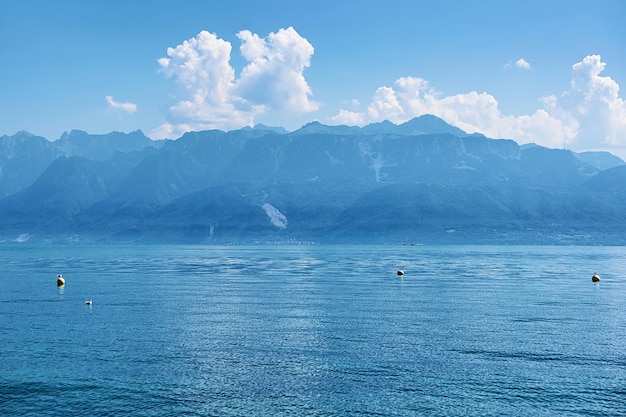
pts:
pixel 595 277
pixel 60 281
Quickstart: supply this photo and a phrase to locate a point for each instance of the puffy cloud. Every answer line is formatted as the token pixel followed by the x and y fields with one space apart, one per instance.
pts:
pixel 413 96
pixel 129 107
pixel 274 77
pixel 211 97
pixel 589 116
pixel 350 118
pixel 522 63
pixel 593 107
pixel 201 67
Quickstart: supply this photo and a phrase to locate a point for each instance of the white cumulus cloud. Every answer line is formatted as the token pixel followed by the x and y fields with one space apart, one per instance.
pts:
pixel 588 116
pixel 211 97
pixel 592 108
pixel 129 107
pixel 522 63
pixel 274 77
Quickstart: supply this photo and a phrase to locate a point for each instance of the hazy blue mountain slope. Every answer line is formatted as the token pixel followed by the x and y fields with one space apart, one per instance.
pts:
pixel 440 159
pixel 599 160
pixel 67 187
pixel 23 158
pixel 180 167
pixel 421 181
pixel 411 209
pixel 609 182
pixel 300 158
pixel 213 214
pixel 103 147
pixel 552 168
pixel 425 125
pixel 144 185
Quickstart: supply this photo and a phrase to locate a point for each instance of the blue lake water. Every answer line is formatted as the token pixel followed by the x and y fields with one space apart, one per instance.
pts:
pixel 312 331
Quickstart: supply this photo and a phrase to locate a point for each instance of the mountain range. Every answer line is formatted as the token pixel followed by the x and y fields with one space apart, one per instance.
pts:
pixel 423 181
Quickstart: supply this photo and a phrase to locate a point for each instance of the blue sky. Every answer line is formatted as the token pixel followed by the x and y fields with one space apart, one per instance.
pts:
pixel 547 72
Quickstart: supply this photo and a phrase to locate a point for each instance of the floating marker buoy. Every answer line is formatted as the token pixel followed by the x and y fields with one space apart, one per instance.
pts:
pixel 60 281
pixel 88 302
pixel 400 272
pixel 595 277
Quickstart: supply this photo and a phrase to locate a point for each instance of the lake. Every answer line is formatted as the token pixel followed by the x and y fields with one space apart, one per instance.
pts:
pixel 312 331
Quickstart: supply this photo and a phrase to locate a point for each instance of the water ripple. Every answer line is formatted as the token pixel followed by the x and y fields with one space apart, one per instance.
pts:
pixel 313 331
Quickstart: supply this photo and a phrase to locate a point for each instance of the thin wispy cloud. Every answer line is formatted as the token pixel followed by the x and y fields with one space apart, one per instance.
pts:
pixel 589 115
pixel 127 107
pixel 209 96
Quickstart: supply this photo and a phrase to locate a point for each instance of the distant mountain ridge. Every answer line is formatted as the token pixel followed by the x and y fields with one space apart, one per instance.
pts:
pixel 423 180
